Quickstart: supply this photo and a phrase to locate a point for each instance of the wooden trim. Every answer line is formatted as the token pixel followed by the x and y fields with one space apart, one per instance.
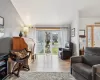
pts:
pixel 96 25
pixel 48 28
pixel 92 34
pixel 86 36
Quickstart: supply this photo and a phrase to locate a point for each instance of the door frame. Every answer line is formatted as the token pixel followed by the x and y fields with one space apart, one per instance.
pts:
pixel 50 30
pixel 92 34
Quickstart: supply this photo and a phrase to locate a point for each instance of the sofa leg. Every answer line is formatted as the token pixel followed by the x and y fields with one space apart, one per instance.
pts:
pixel 71 70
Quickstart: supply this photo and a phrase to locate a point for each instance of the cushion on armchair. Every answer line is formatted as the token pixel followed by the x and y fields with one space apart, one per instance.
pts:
pixel 92 56
pixel 83 69
pixel 19 54
pixel 88 66
pixel 65 53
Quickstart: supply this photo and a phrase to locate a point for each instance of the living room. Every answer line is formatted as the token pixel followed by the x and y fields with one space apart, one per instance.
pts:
pixel 49 40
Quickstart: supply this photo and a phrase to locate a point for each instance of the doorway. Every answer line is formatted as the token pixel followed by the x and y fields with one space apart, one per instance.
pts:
pixel 47 41
pixel 93 36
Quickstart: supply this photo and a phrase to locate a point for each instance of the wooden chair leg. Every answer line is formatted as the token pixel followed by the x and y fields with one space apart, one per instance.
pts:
pixel 14 68
pixel 26 67
pixel 19 69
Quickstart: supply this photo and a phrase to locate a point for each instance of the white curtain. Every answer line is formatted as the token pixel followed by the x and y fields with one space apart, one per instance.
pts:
pixel 34 38
pixel 32 35
pixel 63 36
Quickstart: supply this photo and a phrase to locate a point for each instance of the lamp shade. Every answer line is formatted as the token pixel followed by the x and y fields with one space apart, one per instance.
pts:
pixel 26 29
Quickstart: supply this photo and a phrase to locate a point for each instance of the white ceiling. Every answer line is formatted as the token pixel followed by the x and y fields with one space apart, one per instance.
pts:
pixel 50 11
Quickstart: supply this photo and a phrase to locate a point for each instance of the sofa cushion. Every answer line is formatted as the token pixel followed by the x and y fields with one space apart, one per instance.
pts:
pixel 78 76
pixel 5 45
pixel 92 56
pixel 83 69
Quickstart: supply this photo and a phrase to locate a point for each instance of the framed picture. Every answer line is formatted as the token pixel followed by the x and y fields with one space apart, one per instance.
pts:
pixel 73 32
pixel 81 33
pixel 1 30
pixel 1 21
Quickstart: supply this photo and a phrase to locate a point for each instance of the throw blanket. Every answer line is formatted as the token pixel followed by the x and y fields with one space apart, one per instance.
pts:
pixel 30 43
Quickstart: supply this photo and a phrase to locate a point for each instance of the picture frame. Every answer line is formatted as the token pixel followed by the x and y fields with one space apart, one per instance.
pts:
pixel 73 32
pixel 81 33
pixel 1 21
pixel 1 30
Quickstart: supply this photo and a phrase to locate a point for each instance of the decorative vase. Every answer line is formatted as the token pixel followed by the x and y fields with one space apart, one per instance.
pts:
pixel 20 34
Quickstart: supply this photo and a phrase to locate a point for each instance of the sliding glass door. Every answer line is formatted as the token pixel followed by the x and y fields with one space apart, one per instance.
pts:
pixel 47 41
pixel 55 42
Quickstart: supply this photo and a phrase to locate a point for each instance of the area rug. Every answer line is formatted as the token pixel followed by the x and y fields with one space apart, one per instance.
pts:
pixel 45 76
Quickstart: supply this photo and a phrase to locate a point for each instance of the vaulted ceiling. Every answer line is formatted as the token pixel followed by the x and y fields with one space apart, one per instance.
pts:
pixel 50 11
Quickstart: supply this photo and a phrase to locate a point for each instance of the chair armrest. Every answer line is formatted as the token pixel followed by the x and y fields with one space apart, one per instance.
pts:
pixel 95 70
pixel 76 59
pixel 29 51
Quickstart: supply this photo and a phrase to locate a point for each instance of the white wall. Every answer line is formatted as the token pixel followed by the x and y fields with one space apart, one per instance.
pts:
pixel 82 26
pixel 12 20
pixel 75 40
pixel 88 21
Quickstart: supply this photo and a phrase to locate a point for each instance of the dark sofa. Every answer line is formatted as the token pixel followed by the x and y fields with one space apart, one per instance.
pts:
pixel 87 66
pixel 65 53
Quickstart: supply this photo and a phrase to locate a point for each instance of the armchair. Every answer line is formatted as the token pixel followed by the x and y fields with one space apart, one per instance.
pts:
pixel 66 52
pixel 96 72
pixel 19 55
pixel 86 67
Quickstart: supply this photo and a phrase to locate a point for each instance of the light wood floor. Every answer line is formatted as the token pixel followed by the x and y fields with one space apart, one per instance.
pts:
pixel 45 64
pixel 48 63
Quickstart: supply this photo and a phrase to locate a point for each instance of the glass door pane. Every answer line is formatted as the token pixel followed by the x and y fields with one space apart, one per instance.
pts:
pixel 40 42
pixel 89 37
pixel 96 37
pixel 55 42
pixel 47 42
